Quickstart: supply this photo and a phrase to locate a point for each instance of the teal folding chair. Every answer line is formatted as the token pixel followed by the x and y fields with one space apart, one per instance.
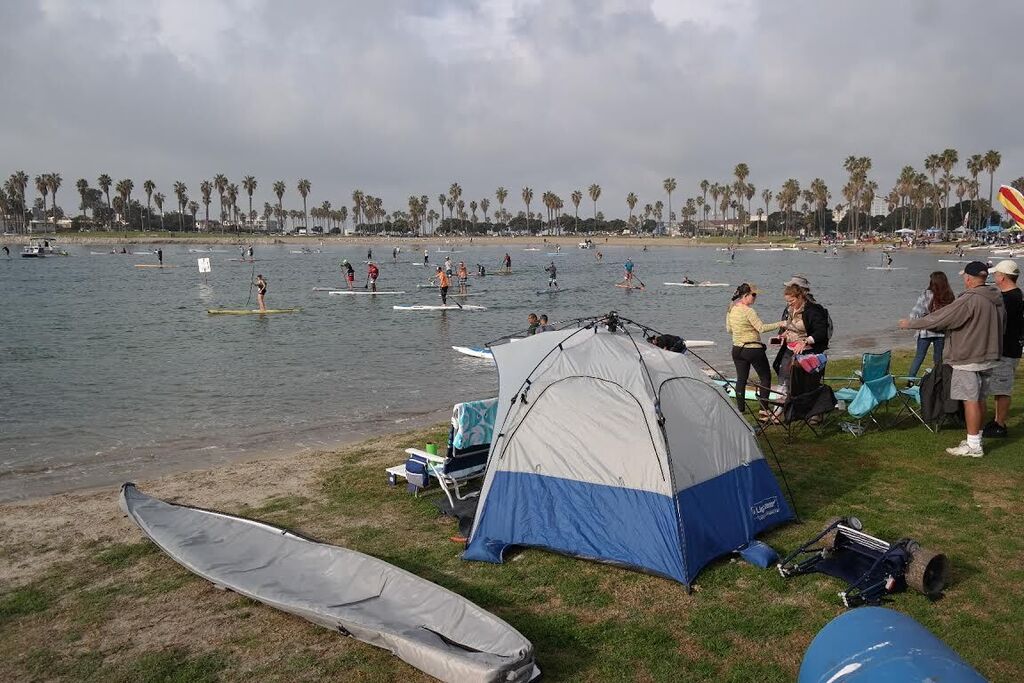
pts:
pixel 869 391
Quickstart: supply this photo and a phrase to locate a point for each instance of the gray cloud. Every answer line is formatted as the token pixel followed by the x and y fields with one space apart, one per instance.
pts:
pixel 400 98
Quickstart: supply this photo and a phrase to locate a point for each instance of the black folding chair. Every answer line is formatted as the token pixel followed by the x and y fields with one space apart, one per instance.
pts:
pixel 808 403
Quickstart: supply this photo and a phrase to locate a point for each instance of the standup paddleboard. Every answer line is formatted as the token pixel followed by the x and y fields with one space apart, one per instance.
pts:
pixel 431 286
pixel 697 284
pixel 884 268
pixel 334 292
pixel 449 307
pixel 948 260
pixel 152 265
pixel 242 311
pixel 474 352
pixel 551 290
pixel 627 286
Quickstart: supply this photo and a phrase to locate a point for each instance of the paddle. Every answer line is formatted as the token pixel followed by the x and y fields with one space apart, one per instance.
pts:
pixel 251 283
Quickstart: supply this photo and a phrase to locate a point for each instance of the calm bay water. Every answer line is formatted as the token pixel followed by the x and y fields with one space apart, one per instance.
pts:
pixel 110 372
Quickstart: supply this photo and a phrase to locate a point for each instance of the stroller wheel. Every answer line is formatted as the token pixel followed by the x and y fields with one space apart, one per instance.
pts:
pixel 928 572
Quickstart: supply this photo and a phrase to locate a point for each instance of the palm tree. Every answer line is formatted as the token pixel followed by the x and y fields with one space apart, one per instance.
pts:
pixel 990 162
pixel 124 191
pixel 741 172
pixel 766 197
pixel 104 181
pixel 193 208
pixel 527 198
pixel 670 185
pixel 82 185
pixel 454 195
pixel 357 207
pixel 148 187
pixel 961 183
pixel 206 189
pixel 501 194
pixel 325 211
pixel 158 199
pixel 576 197
pixel 485 204
pixel 595 192
pixel 232 194
pixel 181 192
pixel 947 160
pixel 43 188
pixel 249 183
pixel 279 188
pixel 974 167
pixel 704 187
pixel 716 192
pixel 441 198
pixel 19 182
pixel 53 182
pixel 304 186
pixel 220 183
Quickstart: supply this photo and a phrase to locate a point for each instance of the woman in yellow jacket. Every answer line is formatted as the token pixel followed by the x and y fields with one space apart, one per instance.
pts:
pixel 747 349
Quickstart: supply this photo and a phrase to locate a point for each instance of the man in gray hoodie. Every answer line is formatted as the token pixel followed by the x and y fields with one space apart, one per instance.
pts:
pixel 973 324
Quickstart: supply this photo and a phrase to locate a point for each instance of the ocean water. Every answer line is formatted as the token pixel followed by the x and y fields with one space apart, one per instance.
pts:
pixel 110 372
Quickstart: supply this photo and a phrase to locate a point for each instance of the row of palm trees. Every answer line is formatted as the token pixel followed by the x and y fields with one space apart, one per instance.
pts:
pixel 912 192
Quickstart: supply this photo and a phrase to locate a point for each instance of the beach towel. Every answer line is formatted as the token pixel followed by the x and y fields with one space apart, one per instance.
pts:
pixel 473 422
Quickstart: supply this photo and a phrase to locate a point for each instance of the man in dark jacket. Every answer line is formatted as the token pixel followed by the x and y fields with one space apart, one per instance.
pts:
pixel 1005 274
pixel 973 324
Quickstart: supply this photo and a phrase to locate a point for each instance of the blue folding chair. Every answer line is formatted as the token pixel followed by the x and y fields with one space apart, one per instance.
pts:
pixel 868 391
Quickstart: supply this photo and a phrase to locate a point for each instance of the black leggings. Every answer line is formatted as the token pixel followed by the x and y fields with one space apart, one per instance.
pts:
pixel 746 357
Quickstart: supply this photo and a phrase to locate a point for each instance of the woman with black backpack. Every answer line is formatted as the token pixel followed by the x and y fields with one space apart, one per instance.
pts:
pixel 806 327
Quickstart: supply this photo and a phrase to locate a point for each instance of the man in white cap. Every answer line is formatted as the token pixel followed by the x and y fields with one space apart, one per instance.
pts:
pixel 973 324
pixel 1005 274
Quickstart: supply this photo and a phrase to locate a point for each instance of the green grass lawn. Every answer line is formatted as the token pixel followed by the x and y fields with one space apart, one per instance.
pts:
pixel 588 621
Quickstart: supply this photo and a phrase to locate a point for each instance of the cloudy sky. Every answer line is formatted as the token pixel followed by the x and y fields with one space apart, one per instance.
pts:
pixel 398 98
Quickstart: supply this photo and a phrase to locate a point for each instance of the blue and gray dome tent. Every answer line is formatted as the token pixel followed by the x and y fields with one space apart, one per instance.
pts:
pixel 609 448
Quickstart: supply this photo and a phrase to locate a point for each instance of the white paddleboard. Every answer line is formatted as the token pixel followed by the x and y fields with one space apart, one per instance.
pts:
pixel 697 284
pixel 884 268
pixel 474 352
pixel 948 260
pixel 449 307
pixel 340 292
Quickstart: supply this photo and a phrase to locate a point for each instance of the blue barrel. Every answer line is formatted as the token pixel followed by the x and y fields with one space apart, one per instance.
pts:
pixel 882 646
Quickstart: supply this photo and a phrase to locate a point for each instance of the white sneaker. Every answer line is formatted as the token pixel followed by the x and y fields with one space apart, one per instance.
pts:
pixel 964 450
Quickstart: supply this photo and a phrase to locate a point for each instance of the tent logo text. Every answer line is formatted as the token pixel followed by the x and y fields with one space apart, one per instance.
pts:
pixel 765 508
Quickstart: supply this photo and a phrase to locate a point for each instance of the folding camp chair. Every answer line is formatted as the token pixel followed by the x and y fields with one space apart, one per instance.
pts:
pixel 928 400
pixel 465 459
pixel 875 388
pixel 808 401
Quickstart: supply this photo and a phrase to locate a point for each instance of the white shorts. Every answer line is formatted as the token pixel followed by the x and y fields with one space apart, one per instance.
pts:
pixel 1001 382
pixel 373 280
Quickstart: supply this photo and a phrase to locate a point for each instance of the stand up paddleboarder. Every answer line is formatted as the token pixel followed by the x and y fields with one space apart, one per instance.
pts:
pixel 261 291
pixel 349 273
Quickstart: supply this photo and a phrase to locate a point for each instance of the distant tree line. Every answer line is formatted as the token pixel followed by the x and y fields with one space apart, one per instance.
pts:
pixel 917 200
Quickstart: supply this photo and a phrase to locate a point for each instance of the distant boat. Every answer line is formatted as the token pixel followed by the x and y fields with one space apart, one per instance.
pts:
pixel 38 247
